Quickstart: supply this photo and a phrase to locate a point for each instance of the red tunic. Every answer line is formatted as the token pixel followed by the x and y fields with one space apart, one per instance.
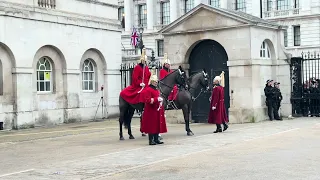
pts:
pixel 153 121
pixel 174 92
pixel 219 115
pixel 130 93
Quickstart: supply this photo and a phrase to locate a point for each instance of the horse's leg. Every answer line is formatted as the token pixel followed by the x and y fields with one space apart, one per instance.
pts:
pixel 130 115
pixel 186 113
pixel 123 107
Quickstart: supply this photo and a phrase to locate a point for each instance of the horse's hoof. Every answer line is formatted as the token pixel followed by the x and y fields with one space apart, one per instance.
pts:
pixel 121 138
pixel 131 137
pixel 190 133
pixel 143 134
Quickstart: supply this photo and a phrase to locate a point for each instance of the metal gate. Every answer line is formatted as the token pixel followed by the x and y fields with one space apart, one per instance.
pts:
pixel 305 92
pixel 212 56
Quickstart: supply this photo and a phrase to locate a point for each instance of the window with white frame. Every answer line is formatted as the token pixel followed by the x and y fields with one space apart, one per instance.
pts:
pixel 88 75
pixel 214 3
pixel 296 36
pixel 268 5
pixel 240 5
pixel 121 16
pixel 44 75
pixel 283 4
pixel 160 45
pixel 188 5
pixel 165 12
pixel 265 51
pixel 142 15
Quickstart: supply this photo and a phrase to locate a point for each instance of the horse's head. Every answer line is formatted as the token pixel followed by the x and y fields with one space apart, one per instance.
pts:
pixel 204 80
pixel 181 77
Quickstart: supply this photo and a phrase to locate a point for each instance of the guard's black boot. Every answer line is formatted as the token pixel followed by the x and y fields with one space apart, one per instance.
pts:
pixel 225 126
pixel 151 140
pixel 156 139
pixel 219 129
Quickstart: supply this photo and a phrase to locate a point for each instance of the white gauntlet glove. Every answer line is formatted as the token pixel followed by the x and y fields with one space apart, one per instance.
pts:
pixel 213 108
pixel 142 84
pixel 160 99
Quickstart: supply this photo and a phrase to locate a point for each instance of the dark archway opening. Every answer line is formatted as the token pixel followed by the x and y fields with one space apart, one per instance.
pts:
pixel 210 55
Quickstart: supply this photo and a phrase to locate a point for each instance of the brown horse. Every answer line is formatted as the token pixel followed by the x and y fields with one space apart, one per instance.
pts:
pixel 166 85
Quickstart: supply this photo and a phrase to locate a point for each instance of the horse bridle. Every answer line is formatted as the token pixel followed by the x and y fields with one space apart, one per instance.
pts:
pixel 171 87
pixel 205 75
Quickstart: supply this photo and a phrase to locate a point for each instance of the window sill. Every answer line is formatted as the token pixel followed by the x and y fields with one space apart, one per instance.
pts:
pixel 44 92
pixel 88 91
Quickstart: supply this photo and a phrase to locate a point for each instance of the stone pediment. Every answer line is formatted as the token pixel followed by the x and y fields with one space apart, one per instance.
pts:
pixel 204 18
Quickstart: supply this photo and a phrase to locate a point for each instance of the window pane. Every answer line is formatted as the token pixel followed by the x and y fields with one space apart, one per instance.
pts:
pixel 165 13
pixel 90 85
pixel 38 86
pixel 215 3
pixel 41 75
pixel 41 86
pixel 261 53
pixel 85 76
pixel 90 66
pixel 47 88
pixel 86 85
pixel 90 76
pixel 48 66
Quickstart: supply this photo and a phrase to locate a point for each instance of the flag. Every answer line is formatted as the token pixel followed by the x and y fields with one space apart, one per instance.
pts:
pixel 134 37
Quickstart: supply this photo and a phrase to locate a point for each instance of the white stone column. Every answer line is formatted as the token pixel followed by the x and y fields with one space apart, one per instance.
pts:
pixel 173 10
pixel 150 14
pixel 128 14
pixel 224 4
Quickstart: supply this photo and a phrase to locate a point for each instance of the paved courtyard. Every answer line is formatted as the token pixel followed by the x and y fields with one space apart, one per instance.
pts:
pixel 269 150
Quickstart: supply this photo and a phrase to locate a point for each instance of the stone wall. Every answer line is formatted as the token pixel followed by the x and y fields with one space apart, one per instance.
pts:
pixel 29 33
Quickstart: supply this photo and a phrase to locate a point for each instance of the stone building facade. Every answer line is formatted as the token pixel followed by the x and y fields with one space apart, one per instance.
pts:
pixel 249 49
pixel 55 56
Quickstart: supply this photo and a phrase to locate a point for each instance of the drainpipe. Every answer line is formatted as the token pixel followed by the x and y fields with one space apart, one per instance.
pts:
pixel 261 9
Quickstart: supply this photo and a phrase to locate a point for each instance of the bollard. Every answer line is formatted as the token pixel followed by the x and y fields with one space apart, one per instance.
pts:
pixel 1 125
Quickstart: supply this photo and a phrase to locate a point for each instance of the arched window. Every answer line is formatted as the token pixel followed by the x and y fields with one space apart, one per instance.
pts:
pixel 44 75
pixel 265 51
pixel 88 75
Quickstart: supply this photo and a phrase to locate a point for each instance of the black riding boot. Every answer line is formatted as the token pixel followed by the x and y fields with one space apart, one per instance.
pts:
pixel 219 129
pixel 151 139
pixel 156 139
pixel 225 126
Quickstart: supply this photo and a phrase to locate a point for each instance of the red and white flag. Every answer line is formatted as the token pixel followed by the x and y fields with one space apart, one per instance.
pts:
pixel 134 37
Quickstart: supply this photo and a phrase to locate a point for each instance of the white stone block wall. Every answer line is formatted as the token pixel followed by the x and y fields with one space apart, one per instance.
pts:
pixel 67 40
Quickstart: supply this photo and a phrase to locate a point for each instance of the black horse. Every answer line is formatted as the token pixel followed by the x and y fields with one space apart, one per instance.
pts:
pixel 166 85
pixel 185 97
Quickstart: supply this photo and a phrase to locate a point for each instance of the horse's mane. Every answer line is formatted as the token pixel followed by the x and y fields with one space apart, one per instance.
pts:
pixel 170 74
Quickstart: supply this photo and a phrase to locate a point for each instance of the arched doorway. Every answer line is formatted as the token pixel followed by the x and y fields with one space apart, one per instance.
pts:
pixel 210 55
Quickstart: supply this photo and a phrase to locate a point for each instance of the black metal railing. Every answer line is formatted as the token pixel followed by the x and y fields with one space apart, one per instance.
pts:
pixel 305 81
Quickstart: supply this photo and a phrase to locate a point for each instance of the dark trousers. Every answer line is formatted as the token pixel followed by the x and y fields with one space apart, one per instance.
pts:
pixel 273 110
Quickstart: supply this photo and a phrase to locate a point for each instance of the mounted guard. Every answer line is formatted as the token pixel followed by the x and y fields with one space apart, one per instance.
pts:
pixel 164 72
pixel 140 78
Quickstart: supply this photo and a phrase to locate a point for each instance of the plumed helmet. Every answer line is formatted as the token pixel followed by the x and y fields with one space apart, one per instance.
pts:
pixel 154 78
pixel 143 57
pixel 217 78
pixel 165 59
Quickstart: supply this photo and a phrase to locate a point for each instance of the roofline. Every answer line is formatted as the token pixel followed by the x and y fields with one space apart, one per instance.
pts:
pixel 210 8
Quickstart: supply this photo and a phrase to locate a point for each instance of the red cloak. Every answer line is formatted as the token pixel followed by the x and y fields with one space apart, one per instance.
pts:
pixel 219 115
pixel 174 92
pixel 153 121
pixel 130 93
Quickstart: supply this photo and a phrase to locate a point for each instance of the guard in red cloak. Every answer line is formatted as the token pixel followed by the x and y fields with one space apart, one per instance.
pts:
pixel 153 120
pixel 218 113
pixel 164 72
pixel 140 78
